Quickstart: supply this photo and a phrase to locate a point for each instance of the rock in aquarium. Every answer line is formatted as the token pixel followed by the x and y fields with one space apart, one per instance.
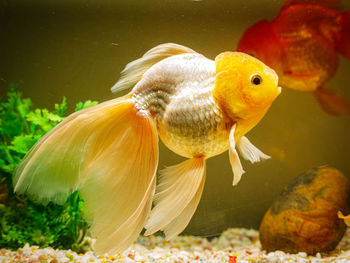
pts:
pixel 304 216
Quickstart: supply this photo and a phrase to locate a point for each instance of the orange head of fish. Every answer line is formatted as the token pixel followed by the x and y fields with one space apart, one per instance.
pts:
pixel 244 86
pixel 262 42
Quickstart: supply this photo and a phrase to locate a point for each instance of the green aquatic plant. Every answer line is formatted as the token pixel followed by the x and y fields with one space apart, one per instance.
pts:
pixel 23 220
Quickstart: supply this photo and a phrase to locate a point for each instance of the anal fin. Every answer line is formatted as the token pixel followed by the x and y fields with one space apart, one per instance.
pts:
pixel 181 221
pixel 177 197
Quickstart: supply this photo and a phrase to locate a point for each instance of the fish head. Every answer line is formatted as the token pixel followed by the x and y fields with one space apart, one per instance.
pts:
pixel 262 42
pixel 244 86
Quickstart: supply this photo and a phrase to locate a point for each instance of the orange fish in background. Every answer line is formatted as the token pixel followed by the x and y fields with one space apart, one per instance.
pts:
pixel 302 44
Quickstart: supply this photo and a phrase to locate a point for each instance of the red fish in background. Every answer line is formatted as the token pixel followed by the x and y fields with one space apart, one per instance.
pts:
pixel 302 44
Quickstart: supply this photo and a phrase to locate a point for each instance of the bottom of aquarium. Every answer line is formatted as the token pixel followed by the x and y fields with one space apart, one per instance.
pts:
pixel 234 245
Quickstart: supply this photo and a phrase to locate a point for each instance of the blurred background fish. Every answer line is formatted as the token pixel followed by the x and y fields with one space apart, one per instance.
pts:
pixel 302 44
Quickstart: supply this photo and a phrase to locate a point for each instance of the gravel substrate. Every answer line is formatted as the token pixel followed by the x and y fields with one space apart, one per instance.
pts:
pixel 234 245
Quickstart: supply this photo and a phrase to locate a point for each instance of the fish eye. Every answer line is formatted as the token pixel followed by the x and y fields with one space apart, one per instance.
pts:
pixel 256 79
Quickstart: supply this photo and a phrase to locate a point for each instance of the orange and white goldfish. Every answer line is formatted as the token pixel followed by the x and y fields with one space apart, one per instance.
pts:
pixel 301 45
pixel 109 152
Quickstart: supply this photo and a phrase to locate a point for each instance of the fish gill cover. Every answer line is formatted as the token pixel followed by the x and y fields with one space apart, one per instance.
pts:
pixel 22 220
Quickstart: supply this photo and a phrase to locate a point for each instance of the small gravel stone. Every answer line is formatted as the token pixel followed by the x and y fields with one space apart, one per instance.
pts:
pixel 235 245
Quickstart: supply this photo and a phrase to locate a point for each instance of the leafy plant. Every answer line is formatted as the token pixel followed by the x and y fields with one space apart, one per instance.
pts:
pixel 21 219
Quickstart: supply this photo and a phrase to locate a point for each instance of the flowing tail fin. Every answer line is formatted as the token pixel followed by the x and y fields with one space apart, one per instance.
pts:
pixel 110 153
pixel 134 71
pixel 177 197
pixel 332 102
pixel 343 41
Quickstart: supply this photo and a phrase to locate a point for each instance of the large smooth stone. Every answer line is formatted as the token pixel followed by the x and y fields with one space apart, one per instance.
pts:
pixel 304 216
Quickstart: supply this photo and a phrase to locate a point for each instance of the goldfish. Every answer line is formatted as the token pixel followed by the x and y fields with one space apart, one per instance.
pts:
pixel 302 44
pixel 197 106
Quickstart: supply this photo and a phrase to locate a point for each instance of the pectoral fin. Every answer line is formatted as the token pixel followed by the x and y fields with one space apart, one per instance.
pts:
pixel 234 158
pixel 250 152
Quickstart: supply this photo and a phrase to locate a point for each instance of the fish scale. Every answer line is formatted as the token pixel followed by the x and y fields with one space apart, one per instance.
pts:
pixel 189 121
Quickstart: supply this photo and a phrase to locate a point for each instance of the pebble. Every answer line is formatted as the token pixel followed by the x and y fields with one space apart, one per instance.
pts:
pixel 236 245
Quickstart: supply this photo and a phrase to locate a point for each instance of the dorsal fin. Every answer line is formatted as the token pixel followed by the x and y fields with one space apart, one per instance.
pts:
pixel 134 71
